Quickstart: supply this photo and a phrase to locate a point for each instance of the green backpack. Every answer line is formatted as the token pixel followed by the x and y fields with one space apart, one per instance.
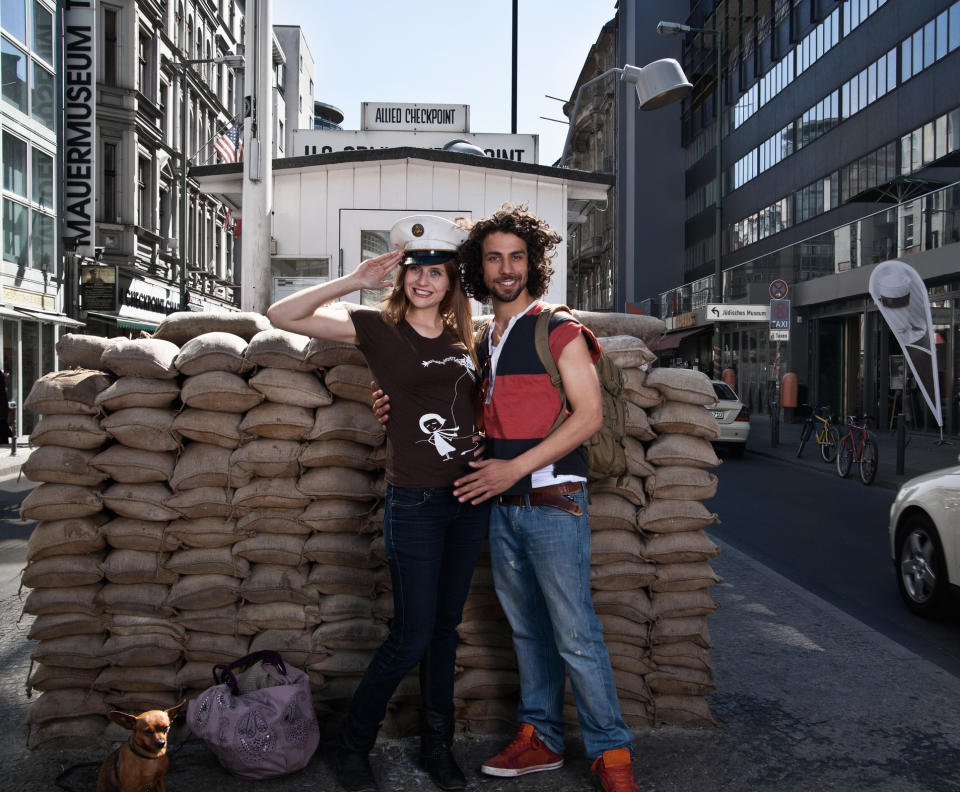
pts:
pixel 605 451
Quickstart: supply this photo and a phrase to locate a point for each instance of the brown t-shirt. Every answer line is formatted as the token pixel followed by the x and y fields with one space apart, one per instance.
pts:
pixel 431 383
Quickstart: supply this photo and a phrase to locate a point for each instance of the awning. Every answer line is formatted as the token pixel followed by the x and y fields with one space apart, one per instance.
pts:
pixel 50 316
pixel 672 340
pixel 124 321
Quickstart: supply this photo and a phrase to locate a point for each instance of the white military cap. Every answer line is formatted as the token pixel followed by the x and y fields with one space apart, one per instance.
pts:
pixel 426 239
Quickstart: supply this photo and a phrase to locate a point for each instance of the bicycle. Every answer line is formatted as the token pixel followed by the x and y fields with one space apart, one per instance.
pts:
pixel 860 446
pixel 827 436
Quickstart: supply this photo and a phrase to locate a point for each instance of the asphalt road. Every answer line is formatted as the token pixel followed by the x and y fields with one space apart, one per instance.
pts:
pixel 828 535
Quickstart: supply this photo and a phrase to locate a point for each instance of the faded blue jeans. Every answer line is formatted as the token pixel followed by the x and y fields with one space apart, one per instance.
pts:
pixel 432 543
pixel 541 569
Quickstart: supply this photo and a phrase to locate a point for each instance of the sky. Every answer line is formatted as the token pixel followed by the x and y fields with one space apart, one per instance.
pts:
pixel 431 51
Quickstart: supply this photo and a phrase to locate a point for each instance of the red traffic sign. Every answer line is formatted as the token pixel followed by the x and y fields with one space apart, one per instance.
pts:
pixel 778 289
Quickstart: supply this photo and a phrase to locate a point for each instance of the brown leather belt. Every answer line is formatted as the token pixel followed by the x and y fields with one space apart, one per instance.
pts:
pixel 548 496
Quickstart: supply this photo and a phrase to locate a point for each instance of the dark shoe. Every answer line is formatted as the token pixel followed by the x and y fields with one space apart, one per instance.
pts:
pixel 353 770
pixel 436 758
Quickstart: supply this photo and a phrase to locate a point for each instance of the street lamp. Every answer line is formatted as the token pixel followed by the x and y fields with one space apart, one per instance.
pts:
pixel 232 61
pixel 672 29
pixel 657 84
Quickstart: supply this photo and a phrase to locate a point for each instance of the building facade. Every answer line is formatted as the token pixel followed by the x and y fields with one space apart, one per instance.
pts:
pixel 295 88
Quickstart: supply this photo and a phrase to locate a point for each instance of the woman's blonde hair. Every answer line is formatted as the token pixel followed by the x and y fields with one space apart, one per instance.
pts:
pixel 454 308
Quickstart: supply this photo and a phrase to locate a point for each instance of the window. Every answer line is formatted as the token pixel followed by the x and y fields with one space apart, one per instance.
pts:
pixel 280 136
pixel 14 74
pixel 14 232
pixel 110 45
pixel 942 35
pixel 108 189
pixel 14 164
pixel 43 242
pixel 929 43
pixel 42 32
pixel 41 96
pixel 143 65
pixel 42 182
pixel 14 16
pixel 954 36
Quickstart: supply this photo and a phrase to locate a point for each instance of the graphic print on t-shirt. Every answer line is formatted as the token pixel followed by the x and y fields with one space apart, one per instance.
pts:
pixel 439 435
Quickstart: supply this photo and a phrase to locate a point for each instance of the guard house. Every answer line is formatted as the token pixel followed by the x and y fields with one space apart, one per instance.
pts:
pixel 330 211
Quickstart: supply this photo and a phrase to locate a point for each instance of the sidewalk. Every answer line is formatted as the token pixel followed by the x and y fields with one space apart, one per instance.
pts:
pixel 923 453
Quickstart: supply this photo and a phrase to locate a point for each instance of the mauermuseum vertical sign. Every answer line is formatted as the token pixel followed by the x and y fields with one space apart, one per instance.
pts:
pixel 79 124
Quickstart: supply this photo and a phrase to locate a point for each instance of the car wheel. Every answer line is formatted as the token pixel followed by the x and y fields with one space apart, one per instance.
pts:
pixel 921 570
pixel 845 457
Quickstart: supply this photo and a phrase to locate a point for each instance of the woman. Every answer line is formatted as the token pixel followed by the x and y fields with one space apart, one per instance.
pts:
pixel 419 346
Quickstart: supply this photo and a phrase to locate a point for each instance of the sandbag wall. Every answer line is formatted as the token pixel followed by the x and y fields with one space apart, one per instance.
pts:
pixel 217 489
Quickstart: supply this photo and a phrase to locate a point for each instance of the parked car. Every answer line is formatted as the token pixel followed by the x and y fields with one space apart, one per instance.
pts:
pixel 925 540
pixel 733 418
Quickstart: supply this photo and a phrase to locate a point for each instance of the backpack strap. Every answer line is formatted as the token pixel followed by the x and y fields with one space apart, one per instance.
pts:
pixel 480 333
pixel 541 338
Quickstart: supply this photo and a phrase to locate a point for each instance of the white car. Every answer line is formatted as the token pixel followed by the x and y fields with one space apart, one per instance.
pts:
pixel 733 418
pixel 925 540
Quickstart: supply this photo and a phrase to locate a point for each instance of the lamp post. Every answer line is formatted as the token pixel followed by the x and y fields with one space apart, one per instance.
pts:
pixel 672 29
pixel 233 61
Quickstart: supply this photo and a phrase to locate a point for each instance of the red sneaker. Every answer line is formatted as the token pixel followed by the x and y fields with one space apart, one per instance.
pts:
pixel 526 754
pixel 614 771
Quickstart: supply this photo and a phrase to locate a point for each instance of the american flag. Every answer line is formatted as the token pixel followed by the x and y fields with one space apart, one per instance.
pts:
pixel 229 145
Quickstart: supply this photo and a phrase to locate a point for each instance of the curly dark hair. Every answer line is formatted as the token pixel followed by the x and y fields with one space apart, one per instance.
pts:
pixel 509 219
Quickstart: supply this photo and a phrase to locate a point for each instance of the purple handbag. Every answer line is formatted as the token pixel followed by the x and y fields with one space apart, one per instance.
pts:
pixel 258 718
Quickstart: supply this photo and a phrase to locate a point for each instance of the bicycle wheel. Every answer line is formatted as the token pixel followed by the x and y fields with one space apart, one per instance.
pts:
pixel 845 457
pixel 869 461
pixel 804 436
pixel 828 449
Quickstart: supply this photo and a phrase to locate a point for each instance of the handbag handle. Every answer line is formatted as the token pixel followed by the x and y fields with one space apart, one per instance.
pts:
pixel 223 672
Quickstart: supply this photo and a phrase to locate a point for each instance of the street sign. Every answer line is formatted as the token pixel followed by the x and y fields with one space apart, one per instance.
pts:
pixel 780 320
pixel 778 289
pixel 779 335
pixel 736 313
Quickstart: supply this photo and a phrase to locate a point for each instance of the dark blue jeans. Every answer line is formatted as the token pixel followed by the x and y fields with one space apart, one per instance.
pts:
pixel 432 543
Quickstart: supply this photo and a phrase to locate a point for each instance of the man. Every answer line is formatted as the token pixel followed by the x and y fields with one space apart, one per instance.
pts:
pixel 539 529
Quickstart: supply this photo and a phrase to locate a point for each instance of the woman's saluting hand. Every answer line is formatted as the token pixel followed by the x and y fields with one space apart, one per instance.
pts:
pixel 372 273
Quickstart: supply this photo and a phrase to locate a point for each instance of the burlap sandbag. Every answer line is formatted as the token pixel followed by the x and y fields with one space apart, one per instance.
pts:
pixel 607 547
pixel 78 350
pixel 279 549
pixel 636 390
pixel 637 424
pixel 137 566
pixel 58 703
pixel 71 431
pixel 625 657
pixel 73 651
pixel 343 453
pixel 680 710
pixel 207 532
pixel 277 349
pixel 633 605
pixel 203 647
pixel 622 575
pixel 140 501
pixel 207 561
pixel 631 686
pixel 488 716
pixel 222 620
pixel 626 351
pixel 350 382
pixel 671 516
pixel 471 656
pixel 627 486
pixel 646 328
pixel 347 420
pixel 268 457
pixel 63 570
pixel 65 599
pixel 681 653
pixel 67 732
pixel 623 630
pixel 129 392
pixel 637 464
pixel 60 502
pixel 679 548
pixel 682 450
pixel 485 632
pixel 60 625
pixel 350 550
pixel 277 583
pixel 122 533
pixel 136 624
pixel 278 421
pixel 75 536
pixel 141 357
pixel 344 663
pixel 135 465
pixel 673 629
pixel 276 615
pixel 60 465
pixel 209 426
pixel 332 483
pixel 484 683
pixel 683 418
pixel 681 483
pixel 146 428
pixel 200 502
pixel 333 516
pixel 685 577
pixel 71 392
pixel 339 607
pixel 143 678
pixel 323 354
pixel 202 592
pixel 348 634
pixel 286 386
pixel 270 493
pixel 293 645
pixel 181 326
pixel 636 714
pixel 44 677
pixel 206 465
pixel 682 385
pixel 272 521
pixel 683 603
pixel 335 579
pixel 151 649
pixel 610 512
pixel 682 680
pixel 215 351
pixel 220 391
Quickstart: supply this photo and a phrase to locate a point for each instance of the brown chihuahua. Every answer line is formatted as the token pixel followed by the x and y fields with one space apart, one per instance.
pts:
pixel 140 764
